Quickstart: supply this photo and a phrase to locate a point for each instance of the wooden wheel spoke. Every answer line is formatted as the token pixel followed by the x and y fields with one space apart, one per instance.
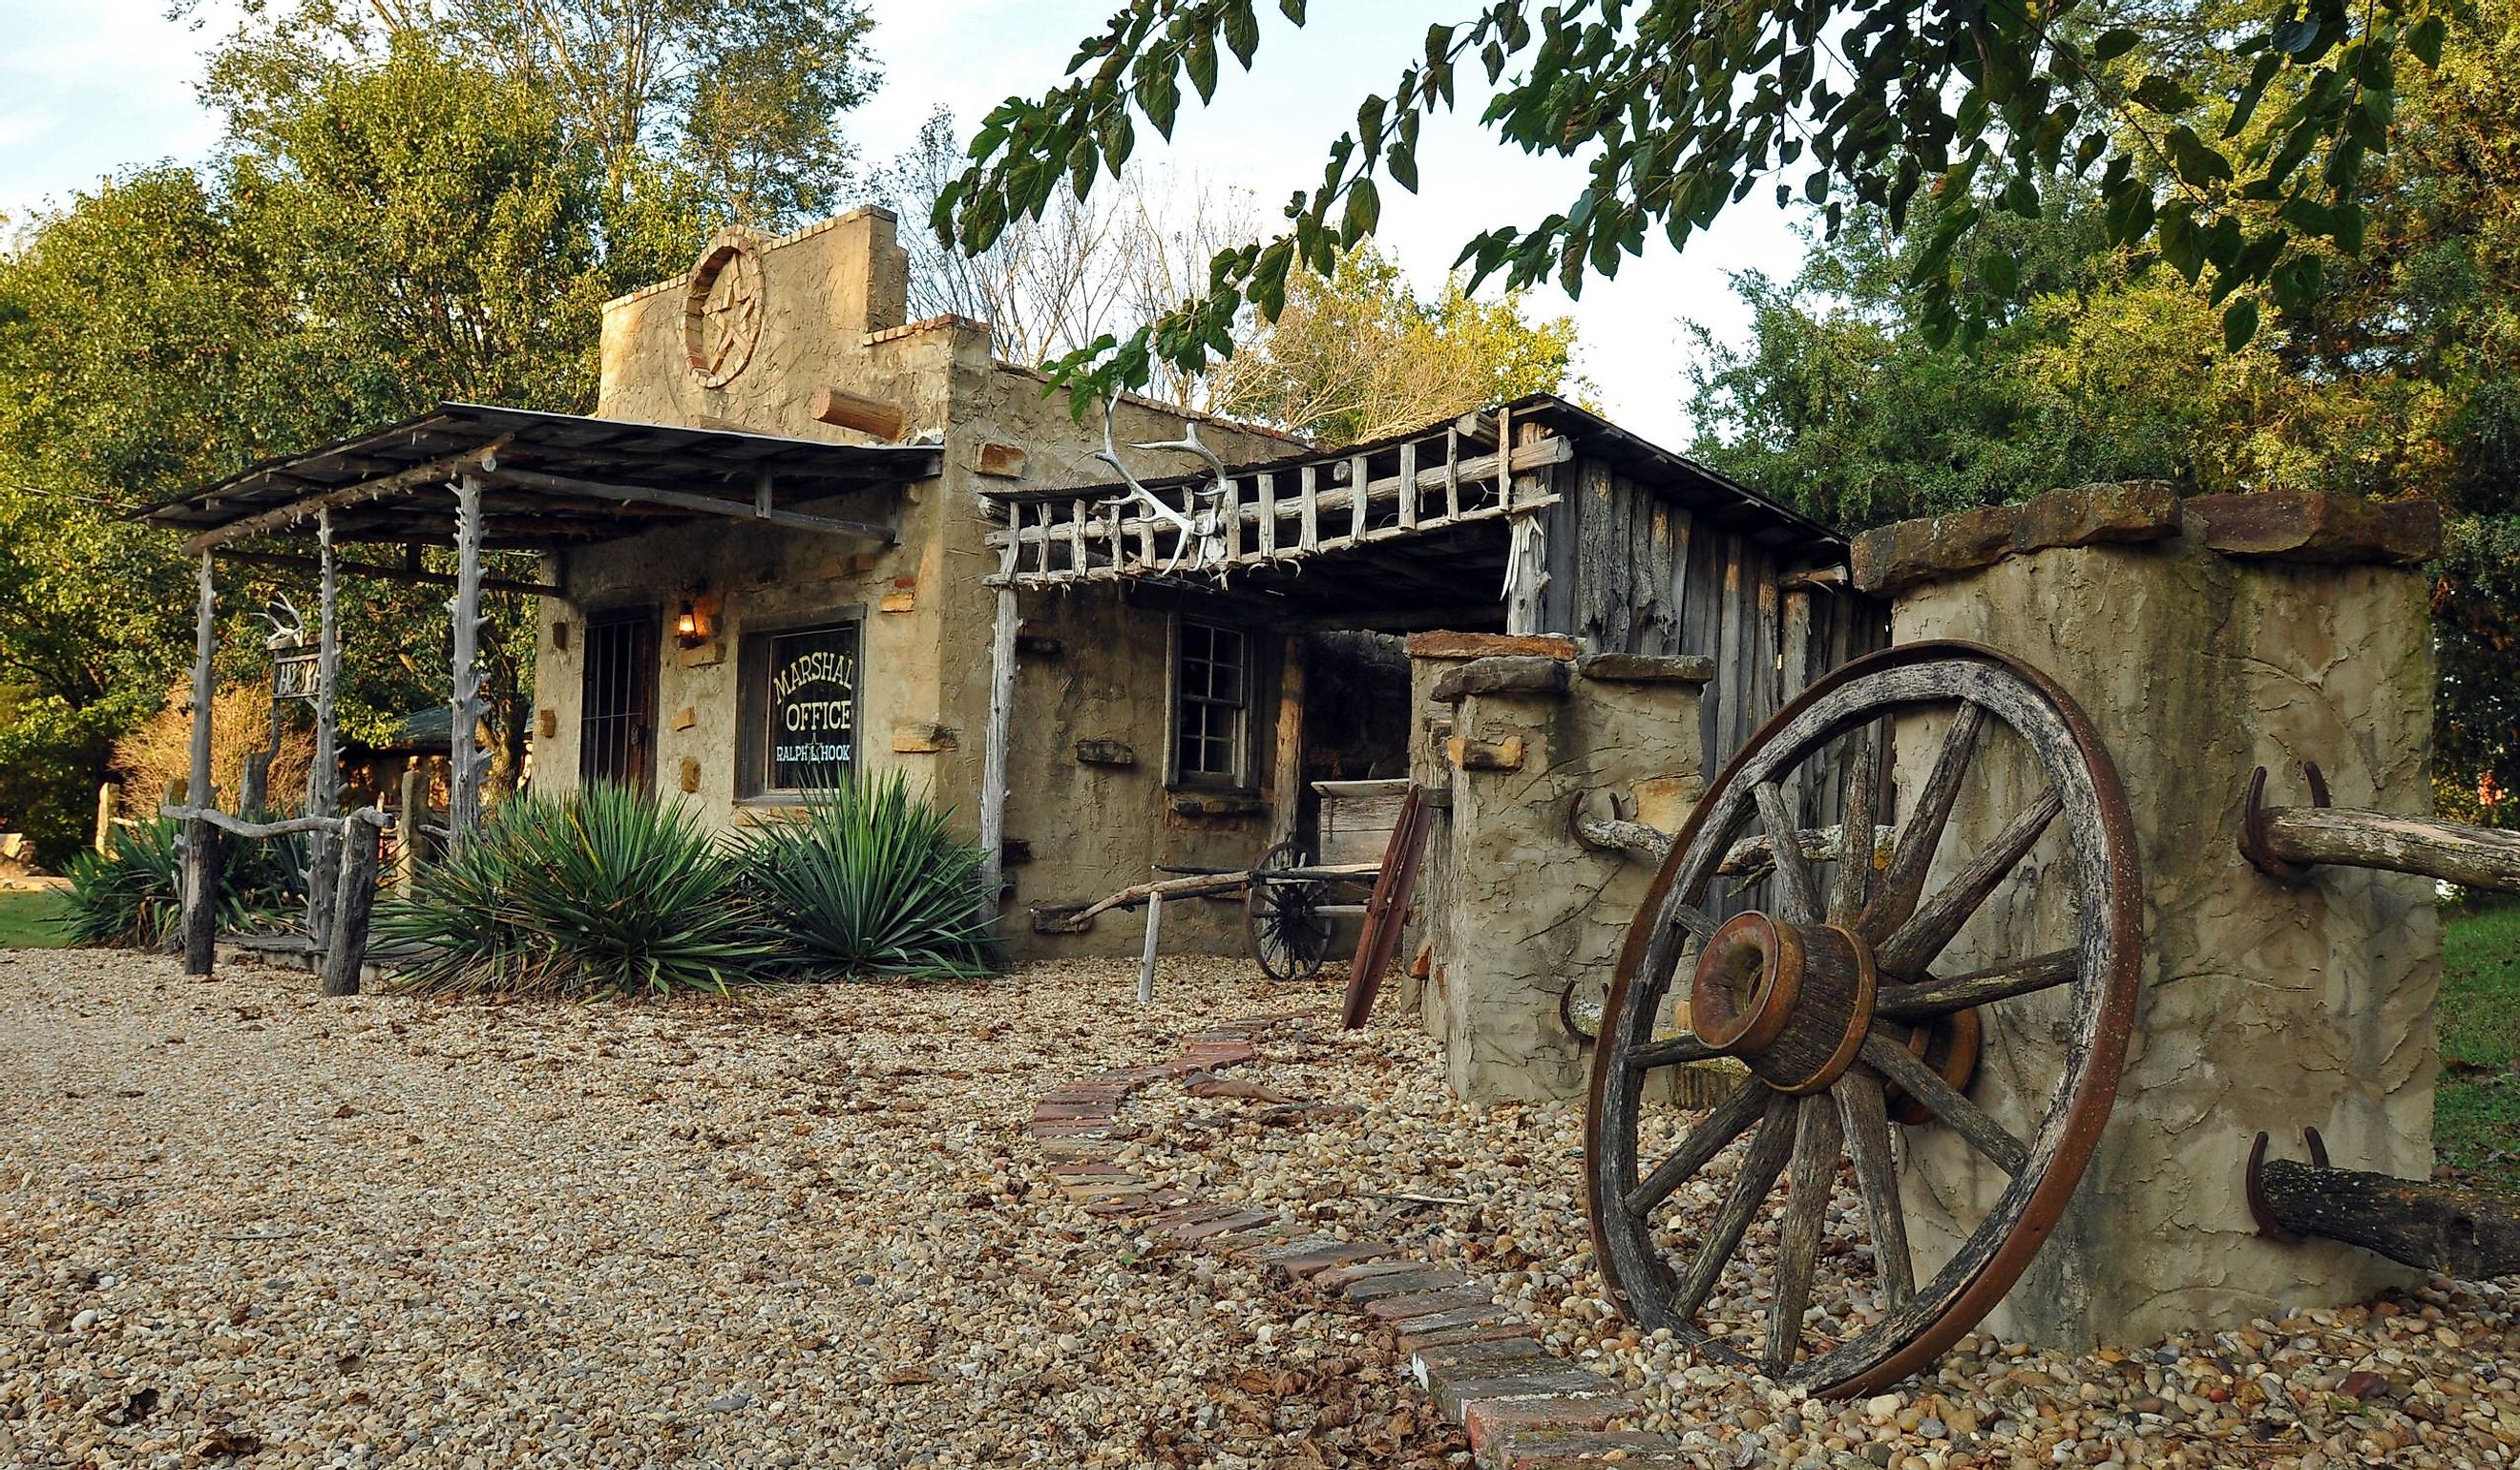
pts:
pixel 1814 1169
pixel 1927 1086
pixel 1855 830
pixel 1866 1124
pixel 1671 1051
pixel 1728 1120
pixel 1695 922
pixel 1799 890
pixel 1770 1147
pixel 1936 997
pixel 1894 898
pixel 1913 945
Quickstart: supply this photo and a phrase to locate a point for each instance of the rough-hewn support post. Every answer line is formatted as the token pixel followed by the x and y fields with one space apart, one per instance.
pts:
pixel 200 843
pixel 993 752
pixel 353 898
pixel 464 786
pixel 1287 768
pixel 324 774
pixel 105 794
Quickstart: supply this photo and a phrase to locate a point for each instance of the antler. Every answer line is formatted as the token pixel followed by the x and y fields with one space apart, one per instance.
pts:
pixel 291 630
pixel 1109 454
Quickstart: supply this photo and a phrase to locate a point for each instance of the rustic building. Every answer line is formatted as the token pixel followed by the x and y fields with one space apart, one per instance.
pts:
pixel 801 537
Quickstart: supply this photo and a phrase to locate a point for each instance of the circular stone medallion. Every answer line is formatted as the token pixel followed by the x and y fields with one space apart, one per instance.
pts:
pixel 722 307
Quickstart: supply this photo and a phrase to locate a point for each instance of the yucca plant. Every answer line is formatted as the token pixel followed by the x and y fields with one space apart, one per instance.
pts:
pixel 873 881
pixel 130 896
pixel 597 892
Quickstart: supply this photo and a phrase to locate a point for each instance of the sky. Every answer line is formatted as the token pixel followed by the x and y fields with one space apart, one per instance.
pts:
pixel 91 88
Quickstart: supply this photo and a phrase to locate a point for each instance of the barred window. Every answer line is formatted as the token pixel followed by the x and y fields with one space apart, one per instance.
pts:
pixel 1211 704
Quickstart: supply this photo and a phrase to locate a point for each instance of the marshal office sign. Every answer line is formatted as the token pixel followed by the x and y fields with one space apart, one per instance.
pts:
pixel 802 702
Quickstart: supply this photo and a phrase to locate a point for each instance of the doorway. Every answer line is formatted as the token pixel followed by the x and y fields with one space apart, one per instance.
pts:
pixel 616 734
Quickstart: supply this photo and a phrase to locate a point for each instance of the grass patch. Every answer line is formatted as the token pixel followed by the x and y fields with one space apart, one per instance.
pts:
pixel 30 921
pixel 2476 1123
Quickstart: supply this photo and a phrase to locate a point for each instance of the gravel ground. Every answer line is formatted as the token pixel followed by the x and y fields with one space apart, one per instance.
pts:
pixel 2430 1378
pixel 238 1223
pixel 807 1230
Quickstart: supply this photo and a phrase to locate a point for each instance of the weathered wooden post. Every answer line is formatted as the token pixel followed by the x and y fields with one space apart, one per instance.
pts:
pixel 200 840
pixel 105 794
pixel 411 811
pixel 323 777
pixel 353 899
pixel 993 746
pixel 464 787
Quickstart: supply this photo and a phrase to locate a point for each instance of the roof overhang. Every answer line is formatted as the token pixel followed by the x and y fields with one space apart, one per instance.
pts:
pixel 547 480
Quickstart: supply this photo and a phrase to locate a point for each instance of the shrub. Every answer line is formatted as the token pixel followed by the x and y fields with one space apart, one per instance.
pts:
pixel 872 882
pixel 130 896
pixel 596 892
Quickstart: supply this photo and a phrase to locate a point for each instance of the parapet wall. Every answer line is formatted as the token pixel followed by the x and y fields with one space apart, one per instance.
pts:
pixel 1514 733
pixel 2204 638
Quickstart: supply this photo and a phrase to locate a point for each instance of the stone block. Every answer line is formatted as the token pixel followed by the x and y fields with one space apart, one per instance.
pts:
pixel 1492 1423
pixel 1893 557
pixel 1444 645
pixel 2289 525
pixel 1418 1280
pixel 1646 668
pixel 1106 753
pixel 998 460
pixel 1521 675
pixel 2090 514
pixel 1190 805
pixel 1467 754
pixel 922 737
pixel 1548 1378
pixel 690 774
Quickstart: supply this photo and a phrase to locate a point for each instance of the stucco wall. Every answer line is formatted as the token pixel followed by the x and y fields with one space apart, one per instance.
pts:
pixel 1517 910
pixel 835 298
pixel 2262 1007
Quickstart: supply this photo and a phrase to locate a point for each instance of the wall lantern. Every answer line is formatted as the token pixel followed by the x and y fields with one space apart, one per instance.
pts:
pixel 694 621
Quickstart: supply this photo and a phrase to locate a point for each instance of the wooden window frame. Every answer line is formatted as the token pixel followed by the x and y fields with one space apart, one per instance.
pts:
pixel 1244 778
pixel 753 642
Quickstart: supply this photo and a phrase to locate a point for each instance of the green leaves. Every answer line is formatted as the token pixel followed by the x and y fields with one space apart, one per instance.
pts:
pixel 1677 109
pixel 2239 323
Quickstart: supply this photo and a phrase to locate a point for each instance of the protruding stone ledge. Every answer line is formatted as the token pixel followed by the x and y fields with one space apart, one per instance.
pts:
pixel 2299 525
pixel 1446 644
pixel 2274 525
pixel 1646 668
pixel 1517 675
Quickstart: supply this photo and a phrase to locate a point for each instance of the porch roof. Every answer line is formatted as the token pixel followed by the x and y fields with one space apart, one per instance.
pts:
pixel 546 479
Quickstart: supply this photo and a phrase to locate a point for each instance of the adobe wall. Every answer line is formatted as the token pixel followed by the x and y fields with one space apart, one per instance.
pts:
pixel 834 298
pixel 2204 640
pixel 1518 731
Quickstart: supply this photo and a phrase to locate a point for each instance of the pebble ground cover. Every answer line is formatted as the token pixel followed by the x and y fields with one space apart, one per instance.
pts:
pixel 241 1225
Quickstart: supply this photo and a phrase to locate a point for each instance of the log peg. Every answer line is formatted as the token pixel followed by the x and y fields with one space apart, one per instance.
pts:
pixel 2253 824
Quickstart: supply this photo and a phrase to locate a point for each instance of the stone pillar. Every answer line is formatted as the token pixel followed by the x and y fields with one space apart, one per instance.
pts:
pixel 1518 730
pixel 2204 640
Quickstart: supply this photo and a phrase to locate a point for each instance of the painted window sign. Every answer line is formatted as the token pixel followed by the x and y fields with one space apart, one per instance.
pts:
pixel 813 710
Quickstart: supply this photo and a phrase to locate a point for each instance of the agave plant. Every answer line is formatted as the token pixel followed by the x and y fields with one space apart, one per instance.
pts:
pixel 130 896
pixel 599 892
pixel 873 881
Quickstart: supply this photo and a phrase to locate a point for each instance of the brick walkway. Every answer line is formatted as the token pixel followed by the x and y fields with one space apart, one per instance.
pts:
pixel 1522 1407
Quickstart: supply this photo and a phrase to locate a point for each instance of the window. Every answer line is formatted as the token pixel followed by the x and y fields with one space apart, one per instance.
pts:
pixel 800 718
pixel 1211 704
pixel 616 728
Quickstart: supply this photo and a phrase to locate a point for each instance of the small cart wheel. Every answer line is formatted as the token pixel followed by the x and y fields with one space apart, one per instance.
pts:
pixel 1289 933
pixel 1829 991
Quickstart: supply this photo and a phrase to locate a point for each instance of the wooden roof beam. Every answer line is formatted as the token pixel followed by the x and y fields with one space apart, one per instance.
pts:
pixel 435 471
pixel 413 575
pixel 711 505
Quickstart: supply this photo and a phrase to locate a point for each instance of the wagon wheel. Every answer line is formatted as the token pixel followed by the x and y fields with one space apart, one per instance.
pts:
pixel 1289 933
pixel 1830 997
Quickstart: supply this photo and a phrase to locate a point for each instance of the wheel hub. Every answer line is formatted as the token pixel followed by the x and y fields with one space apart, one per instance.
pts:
pixel 1793 1002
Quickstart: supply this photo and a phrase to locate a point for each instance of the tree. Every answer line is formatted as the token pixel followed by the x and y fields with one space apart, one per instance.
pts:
pixel 1680 110
pixel 1355 356
pixel 732 105
pixel 2394 376
pixel 1052 285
